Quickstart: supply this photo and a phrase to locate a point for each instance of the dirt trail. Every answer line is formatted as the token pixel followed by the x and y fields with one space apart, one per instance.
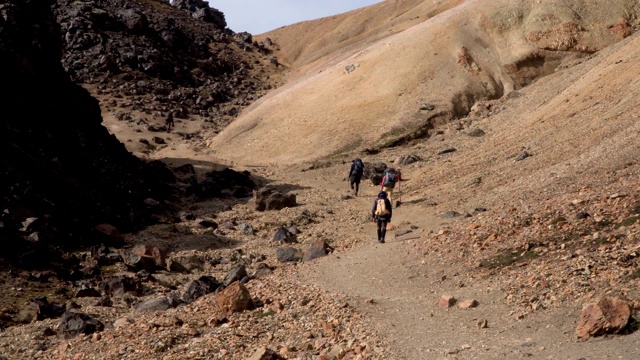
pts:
pixel 397 289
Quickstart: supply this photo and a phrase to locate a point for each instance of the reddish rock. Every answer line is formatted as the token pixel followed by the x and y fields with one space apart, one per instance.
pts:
pixel 468 304
pixel 137 262
pixel 608 316
pixel 152 253
pixel 446 301
pixel 235 298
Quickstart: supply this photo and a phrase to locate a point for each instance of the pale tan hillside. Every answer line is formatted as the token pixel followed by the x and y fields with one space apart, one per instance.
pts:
pixel 302 44
pixel 577 125
pixel 472 52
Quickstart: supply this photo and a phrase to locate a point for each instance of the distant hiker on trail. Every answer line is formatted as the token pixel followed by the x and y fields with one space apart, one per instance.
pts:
pixel 355 175
pixel 381 214
pixel 168 123
pixel 389 180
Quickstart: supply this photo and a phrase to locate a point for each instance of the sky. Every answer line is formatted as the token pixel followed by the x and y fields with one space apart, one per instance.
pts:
pixel 259 16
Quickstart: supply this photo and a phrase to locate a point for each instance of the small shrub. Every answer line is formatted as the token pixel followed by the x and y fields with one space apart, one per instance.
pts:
pixel 628 221
pixel 635 275
pixel 508 257
pixel 603 224
pixel 600 241
pixel 573 236
pixel 558 219
pixel 526 222
pixel 264 314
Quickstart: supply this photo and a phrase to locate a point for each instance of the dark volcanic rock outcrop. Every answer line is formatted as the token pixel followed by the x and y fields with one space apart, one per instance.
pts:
pixel 59 164
pixel 162 57
pixel 200 10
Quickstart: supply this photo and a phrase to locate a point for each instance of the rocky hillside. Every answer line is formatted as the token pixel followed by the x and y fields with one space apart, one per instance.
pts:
pixel 380 90
pixel 149 57
pixel 154 57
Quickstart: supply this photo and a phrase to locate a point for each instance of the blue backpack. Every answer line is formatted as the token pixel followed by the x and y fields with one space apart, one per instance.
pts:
pixel 358 167
pixel 390 178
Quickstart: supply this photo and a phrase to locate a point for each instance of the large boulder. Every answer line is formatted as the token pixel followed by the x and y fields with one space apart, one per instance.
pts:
pixel 73 324
pixel 153 253
pixel 284 235
pixel 238 184
pixel 234 298
pixel 237 273
pixel 316 249
pixel 200 287
pixel 117 286
pixel 288 254
pixel 609 315
pixel 268 199
pixel 160 303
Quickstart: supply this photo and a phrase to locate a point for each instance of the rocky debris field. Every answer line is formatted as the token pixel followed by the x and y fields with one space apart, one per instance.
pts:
pixel 214 284
pixel 571 249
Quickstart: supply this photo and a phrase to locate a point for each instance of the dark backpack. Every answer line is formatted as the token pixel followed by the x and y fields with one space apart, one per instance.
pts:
pixel 390 178
pixel 358 167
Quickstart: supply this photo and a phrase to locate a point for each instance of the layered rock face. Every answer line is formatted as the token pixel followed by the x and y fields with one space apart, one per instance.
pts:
pixel 60 168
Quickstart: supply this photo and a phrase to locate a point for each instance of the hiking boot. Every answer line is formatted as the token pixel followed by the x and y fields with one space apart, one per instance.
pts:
pixel 381 241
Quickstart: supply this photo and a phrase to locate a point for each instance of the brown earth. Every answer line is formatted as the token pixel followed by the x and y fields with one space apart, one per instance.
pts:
pixel 516 246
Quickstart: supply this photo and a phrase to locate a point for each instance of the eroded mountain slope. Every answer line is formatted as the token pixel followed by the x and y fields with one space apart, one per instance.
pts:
pixel 398 88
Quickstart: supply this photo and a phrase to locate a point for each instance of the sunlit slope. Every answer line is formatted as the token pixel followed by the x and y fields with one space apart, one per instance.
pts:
pixel 373 96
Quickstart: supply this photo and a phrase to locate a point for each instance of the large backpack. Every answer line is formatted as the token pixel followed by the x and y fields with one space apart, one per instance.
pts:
pixel 390 178
pixel 358 167
pixel 381 208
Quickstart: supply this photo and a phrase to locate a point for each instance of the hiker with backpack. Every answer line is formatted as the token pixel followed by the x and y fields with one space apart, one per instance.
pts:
pixel 389 179
pixel 355 175
pixel 381 214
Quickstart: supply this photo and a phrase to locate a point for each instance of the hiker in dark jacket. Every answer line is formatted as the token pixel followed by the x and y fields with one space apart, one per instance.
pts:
pixel 381 213
pixel 355 175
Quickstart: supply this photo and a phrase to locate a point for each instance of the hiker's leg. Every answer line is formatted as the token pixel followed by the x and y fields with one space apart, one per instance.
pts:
pixel 351 181
pixel 357 186
pixel 379 224
pixel 389 191
pixel 383 230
